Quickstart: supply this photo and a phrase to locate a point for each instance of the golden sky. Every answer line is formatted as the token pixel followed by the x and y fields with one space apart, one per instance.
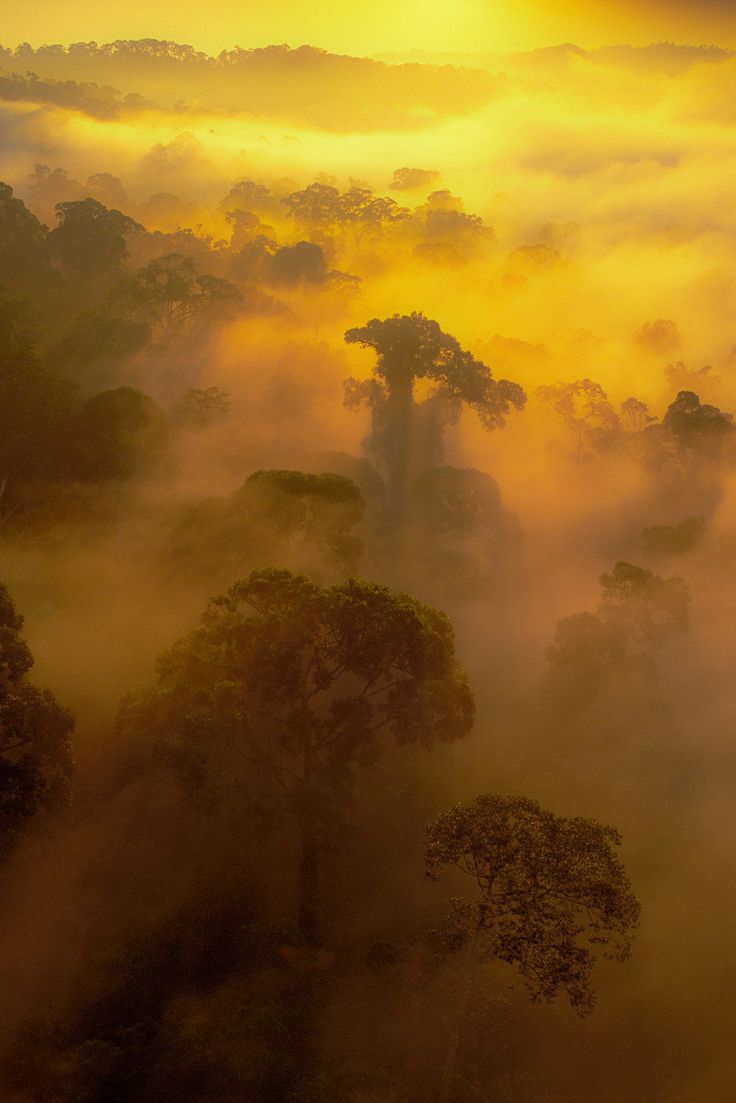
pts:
pixel 378 26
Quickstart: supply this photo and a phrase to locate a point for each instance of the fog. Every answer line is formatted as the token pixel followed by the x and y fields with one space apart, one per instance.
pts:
pixel 191 389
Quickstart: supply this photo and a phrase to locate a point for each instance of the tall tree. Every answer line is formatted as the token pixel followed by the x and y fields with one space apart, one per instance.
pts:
pixel 411 348
pixel 288 688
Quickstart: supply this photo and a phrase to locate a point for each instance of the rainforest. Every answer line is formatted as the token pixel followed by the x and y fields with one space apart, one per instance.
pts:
pixel 367 542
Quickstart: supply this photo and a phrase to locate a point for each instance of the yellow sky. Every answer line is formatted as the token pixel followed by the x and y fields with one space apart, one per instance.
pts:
pixel 375 26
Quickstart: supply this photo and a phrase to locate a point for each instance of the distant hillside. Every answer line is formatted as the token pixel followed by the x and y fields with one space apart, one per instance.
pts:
pixel 666 57
pixel 304 86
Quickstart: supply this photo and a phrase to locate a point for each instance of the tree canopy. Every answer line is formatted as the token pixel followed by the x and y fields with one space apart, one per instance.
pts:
pixel 295 685
pixel 411 348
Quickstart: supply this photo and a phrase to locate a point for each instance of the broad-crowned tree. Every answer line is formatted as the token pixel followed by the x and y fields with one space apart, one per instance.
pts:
pixel 288 688
pixel 698 426
pixel 90 239
pixel 550 896
pixel 171 291
pixel 35 749
pixel 411 348
pixel 118 432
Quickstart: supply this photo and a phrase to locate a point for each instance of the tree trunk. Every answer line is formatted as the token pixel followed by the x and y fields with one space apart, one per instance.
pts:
pixel 399 444
pixel 448 1072
pixel 301 1061
pixel 308 904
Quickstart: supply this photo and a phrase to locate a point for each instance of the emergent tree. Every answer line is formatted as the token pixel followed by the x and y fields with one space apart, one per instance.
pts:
pixel 411 348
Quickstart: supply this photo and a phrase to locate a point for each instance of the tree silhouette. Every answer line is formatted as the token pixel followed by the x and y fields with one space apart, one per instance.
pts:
pixel 90 239
pixel 411 348
pixel 172 290
pixel 584 408
pixel 697 426
pixel 551 894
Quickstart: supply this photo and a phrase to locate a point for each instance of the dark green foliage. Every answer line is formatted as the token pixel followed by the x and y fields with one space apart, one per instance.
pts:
pixel 276 516
pixel 461 535
pixel 459 501
pixel 35 751
pixel 550 891
pixel 586 652
pixel 187 1010
pixel 282 670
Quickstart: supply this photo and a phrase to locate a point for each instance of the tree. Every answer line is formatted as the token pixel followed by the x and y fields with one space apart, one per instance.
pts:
pixel 24 263
pixel 584 408
pixel 410 348
pixel 321 508
pixel 674 539
pixel 36 404
pixel 35 748
pixel 551 890
pixel 638 611
pixel 202 406
pixel 315 205
pixel 407 179
pixel 303 262
pixel 321 205
pixel 635 415
pixel 90 239
pixel 289 687
pixel 93 347
pixel 118 432
pixel 643 606
pixel 247 195
pixel 172 290
pixel 697 426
